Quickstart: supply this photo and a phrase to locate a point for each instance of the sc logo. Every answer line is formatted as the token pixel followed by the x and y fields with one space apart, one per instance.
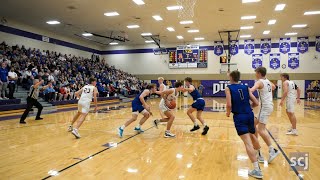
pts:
pixel 300 160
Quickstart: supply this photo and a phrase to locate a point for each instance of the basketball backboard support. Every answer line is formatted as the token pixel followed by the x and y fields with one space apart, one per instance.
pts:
pixel 228 67
pixel 154 38
pixel 227 36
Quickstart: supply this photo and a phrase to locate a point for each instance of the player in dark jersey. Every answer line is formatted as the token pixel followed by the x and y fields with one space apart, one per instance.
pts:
pixel 139 105
pixel 198 105
pixel 238 102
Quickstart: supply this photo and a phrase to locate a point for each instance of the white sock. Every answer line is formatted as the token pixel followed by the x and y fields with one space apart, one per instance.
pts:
pixel 122 127
pixel 271 149
pixel 167 131
pixel 139 126
pixel 195 123
pixel 204 124
pixel 256 165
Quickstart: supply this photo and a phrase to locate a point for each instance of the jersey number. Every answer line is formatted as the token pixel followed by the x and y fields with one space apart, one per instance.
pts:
pixel 86 90
pixel 241 94
pixel 269 88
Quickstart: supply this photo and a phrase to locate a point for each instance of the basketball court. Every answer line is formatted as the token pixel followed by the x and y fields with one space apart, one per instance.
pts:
pixel 202 39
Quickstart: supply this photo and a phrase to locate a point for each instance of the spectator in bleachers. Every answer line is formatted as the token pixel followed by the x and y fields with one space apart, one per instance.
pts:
pixel 12 77
pixel 3 81
pixel 49 93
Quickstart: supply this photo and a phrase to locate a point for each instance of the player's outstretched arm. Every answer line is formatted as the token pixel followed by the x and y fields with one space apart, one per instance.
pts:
pixel 95 99
pixel 78 93
pixel 257 85
pixel 228 98
pixel 253 99
pixel 189 89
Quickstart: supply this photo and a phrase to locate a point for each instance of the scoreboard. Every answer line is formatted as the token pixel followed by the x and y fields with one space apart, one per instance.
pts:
pixel 188 56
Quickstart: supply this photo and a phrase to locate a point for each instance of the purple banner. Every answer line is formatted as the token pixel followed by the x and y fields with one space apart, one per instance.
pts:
pixel 249 46
pixel 256 60
pixel 218 48
pixel 274 60
pixel 284 45
pixel 293 60
pixel 216 88
pixel 234 47
pixel 265 46
pixel 318 43
pixel 303 44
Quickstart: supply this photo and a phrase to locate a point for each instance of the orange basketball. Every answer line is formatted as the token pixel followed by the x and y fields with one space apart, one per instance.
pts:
pixel 171 104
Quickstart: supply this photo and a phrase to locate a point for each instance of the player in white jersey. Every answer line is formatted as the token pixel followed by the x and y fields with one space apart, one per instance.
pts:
pixel 87 93
pixel 168 95
pixel 289 94
pixel 162 87
pixel 265 88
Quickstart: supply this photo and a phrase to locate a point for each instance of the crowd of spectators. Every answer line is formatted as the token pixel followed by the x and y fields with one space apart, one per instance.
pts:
pixel 65 74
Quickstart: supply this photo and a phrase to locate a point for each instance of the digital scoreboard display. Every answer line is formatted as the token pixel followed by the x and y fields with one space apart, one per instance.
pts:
pixel 188 56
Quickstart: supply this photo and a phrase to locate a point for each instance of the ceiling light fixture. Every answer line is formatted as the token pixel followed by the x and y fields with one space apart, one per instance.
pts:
pixel 198 38
pixel 186 22
pixel 246 27
pixel 250 1
pixel 311 12
pixel 149 41
pixel 248 17
pixel 272 21
pixel 138 2
pixel 290 33
pixel 87 34
pixel 299 25
pixel 180 37
pixel 193 31
pixel 172 8
pixel 133 26
pixel 114 43
pixel 53 22
pixel 146 34
pixel 170 29
pixel 111 14
pixel 266 32
pixel 245 36
pixel 157 18
pixel 280 7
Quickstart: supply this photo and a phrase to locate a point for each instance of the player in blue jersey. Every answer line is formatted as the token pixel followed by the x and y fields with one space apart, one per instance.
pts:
pixel 238 102
pixel 139 105
pixel 198 105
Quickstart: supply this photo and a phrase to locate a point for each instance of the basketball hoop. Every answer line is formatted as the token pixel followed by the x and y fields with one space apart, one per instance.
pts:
pixel 187 10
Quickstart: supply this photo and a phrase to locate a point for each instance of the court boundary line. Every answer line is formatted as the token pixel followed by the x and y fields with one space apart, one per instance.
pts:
pixel 89 157
pixel 286 157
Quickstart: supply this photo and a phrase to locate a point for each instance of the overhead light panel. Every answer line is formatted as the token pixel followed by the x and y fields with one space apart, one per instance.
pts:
pixel 146 34
pixel 250 1
pixel 245 36
pixel 290 33
pixel 173 8
pixel 133 26
pixel 87 34
pixel 54 22
pixel 186 22
pixel 266 32
pixel 299 25
pixel 280 7
pixel 180 37
pixel 157 18
pixel 272 21
pixel 114 43
pixel 248 17
pixel 170 29
pixel 193 30
pixel 138 2
pixel 198 38
pixel 149 41
pixel 311 12
pixel 111 14
pixel 246 27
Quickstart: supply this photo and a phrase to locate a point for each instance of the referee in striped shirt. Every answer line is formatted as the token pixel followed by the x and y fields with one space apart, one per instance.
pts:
pixel 32 100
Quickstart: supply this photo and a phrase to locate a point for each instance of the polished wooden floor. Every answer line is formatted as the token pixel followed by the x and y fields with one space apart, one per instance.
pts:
pixel 43 148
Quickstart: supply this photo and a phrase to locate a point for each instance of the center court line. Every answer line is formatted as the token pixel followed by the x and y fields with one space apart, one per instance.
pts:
pixel 89 157
pixel 286 157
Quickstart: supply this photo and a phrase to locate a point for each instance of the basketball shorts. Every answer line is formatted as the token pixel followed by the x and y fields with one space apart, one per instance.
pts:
pixel 84 106
pixel 163 107
pixel 138 108
pixel 290 104
pixel 264 114
pixel 244 123
pixel 199 104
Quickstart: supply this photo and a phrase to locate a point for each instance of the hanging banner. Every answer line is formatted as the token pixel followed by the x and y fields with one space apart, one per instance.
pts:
pixel 274 60
pixel 256 60
pixel 293 60
pixel 249 46
pixel 218 48
pixel 318 43
pixel 284 45
pixel 265 46
pixel 234 47
pixel 303 44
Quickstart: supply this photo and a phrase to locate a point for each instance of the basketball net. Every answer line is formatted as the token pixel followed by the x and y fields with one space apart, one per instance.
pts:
pixel 187 10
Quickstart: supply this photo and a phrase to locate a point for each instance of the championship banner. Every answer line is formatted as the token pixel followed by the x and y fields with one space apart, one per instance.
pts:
pixel 218 48
pixel 216 88
pixel 303 44
pixel 265 46
pixel 284 45
pixel 256 60
pixel 274 60
pixel 234 47
pixel 293 60
pixel 318 43
pixel 249 46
